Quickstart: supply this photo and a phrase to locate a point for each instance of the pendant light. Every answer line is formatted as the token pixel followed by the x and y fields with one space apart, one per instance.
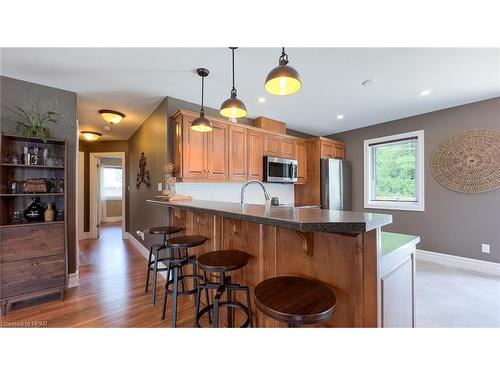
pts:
pixel 202 124
pixel 233 107
pixel 283 80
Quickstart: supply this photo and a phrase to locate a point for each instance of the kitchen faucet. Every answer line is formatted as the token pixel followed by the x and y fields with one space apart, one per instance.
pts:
pixel 266 194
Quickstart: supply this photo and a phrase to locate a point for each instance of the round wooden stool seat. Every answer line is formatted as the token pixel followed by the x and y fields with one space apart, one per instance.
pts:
pixel 165 230
pixel 223 260
pixel 183 242
pixel 295 300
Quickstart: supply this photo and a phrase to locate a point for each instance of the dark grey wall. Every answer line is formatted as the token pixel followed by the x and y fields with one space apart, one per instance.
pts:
pixel 453 223
pixel 16 92
pixel 150 138
pixel 99 146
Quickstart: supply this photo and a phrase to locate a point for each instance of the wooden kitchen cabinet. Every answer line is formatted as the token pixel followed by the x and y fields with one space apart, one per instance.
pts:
pixel 272 145
pixel 301 156
pixel 200 156
pixel 255 155
pixel 331 149
pixel 217 152
pixel 238 154
pixel 288 148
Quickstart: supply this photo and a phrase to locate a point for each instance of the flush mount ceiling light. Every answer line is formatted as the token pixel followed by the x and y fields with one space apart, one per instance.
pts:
pixel 112 117
pixel 90 136
pixel 283 80
pixel 202 124
pixel 425 92
pixel 233 107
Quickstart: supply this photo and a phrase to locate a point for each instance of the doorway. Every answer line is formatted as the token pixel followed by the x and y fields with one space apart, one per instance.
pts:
pixel 107 191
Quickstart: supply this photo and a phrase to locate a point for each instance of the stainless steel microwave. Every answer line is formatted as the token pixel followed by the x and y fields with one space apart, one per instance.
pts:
pixel 280 170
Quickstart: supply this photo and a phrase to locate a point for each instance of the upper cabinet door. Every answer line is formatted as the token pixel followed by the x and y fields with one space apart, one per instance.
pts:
pixel 288 149
pixel 238 169
pixel 272 145
pixel 217 152
pixel 301 156
pixel 255 155
pixel 327 149
pixel 339 151
pixel 194 152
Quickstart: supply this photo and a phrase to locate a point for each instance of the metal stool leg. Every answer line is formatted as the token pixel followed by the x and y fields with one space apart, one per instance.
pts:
pixel 174 305
pixel 149 268
pixel 155 273
pixel 249 306
pixel 197 307
pixel 206 297
pixel 230 311
pixel 164 311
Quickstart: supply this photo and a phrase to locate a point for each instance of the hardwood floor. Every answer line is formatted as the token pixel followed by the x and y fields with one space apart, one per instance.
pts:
pixel 110 294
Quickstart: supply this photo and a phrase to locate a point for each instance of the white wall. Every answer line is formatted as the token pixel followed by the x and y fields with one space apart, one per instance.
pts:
pixel 230 192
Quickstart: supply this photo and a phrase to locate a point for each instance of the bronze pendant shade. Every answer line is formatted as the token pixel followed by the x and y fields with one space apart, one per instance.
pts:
pixel 233 107
pixel 284 79
pixel 202 124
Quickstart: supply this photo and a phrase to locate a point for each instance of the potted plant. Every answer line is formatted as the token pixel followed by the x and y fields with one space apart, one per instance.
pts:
pixel 34 122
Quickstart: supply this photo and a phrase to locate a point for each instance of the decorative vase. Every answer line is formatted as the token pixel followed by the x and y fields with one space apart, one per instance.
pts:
pixel 49 213
pixel 34 211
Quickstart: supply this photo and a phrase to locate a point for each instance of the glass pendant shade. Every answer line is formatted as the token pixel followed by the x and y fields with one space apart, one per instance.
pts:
pixel 112 117
pixel 233 107
pixel 202 124
pixel 90 136
pixel 283 80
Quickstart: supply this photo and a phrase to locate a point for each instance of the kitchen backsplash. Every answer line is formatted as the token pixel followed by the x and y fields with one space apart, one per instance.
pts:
pixel 230 192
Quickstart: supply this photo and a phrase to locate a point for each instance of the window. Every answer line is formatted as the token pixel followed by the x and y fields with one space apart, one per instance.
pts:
pixel 111 183
pixel 394 177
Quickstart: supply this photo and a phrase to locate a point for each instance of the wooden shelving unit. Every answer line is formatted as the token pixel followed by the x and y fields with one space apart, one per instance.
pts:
pixel 33 255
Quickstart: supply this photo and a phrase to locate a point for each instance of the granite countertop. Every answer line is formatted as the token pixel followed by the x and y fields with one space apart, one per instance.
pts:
pixel 294 218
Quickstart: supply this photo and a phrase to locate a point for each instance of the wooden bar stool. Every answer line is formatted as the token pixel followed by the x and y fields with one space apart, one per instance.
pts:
pixel 175 265
pixel 155 250
pixel 295 300
pixel 221 262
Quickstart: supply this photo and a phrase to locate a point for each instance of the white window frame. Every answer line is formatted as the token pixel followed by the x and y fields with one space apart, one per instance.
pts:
pixel 106 198
pixel 419 205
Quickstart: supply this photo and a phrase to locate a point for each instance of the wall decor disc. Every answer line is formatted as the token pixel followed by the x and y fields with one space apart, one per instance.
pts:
pixel 469 161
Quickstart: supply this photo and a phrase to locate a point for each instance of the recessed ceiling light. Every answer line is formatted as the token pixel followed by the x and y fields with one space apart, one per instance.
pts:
pixel 368 82
pixel 425 92
pixel 262 100
pixel 340 117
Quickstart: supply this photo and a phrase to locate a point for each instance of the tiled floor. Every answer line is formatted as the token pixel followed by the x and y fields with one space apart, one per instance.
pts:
pixel 451 297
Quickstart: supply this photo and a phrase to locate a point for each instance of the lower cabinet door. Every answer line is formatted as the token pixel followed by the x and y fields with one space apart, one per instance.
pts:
pixel 31 275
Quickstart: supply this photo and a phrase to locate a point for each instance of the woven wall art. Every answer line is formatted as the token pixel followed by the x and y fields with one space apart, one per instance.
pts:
pixel 469 162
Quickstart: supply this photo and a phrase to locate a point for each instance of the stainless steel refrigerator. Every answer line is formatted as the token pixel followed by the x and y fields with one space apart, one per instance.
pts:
pixel 335 184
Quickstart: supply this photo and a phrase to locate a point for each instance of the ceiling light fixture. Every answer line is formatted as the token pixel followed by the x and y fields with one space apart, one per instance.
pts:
pixel 340 117
pixel 202 124
pixel 233 107
pixel 283 80
pixel 112 117
pixel 90 135
pixel 262 100
pixel 425 92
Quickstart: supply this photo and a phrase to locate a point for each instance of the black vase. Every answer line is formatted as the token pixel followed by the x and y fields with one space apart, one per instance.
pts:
pixel 35 210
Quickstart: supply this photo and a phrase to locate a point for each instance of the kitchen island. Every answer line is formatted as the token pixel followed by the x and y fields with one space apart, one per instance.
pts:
pixel 341 248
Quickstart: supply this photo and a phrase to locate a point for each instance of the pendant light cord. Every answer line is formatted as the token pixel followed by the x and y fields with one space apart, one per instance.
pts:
pixel 202 110
pixel 233 90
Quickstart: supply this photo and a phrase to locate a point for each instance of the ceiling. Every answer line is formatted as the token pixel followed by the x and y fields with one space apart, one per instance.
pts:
pixel 135 80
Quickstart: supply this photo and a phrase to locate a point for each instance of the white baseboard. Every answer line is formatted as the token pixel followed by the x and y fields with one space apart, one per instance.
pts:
pixel 482 266
pixel 143 250
pixel 111 219
pixel 73 280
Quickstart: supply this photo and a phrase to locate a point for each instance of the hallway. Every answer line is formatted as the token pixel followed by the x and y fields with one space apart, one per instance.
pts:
pixel 110 293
